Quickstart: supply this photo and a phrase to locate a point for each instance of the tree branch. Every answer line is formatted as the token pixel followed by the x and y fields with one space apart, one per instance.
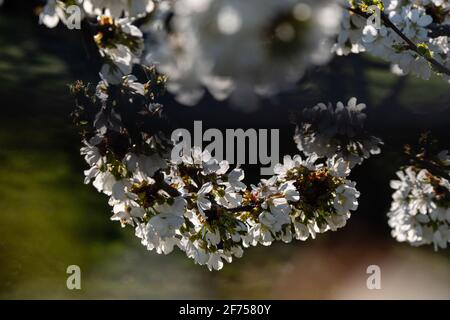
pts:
pixel 411 45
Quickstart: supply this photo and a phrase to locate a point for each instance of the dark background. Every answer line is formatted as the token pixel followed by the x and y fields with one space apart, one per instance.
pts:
pixel 50 219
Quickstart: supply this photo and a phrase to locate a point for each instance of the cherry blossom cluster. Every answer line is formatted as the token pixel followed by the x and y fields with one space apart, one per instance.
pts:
pixel 197 203
pixel 413 35
pixel 325 131
pixel 420 209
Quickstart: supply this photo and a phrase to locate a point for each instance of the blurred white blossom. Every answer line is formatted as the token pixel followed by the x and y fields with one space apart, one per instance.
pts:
pixel 246 48
pixel 326 131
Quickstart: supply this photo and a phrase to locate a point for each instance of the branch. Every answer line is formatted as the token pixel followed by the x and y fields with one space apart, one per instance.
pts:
pixel 411 45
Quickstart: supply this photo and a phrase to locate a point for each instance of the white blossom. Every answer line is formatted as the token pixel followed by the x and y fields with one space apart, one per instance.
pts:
pixel 420 212
pixel 118 8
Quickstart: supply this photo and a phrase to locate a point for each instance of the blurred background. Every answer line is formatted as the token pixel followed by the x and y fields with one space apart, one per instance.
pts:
pixel 50 219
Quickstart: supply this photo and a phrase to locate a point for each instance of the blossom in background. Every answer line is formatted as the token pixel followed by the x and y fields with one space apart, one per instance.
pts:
pixel 241 47
pixel 118 8
pixel 194 42
pixel 420 210
pixel 326 131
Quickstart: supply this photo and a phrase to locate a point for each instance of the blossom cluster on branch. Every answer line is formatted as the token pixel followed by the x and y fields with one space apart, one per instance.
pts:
pixel 413 35
pixel 197 203
pixel 420 209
